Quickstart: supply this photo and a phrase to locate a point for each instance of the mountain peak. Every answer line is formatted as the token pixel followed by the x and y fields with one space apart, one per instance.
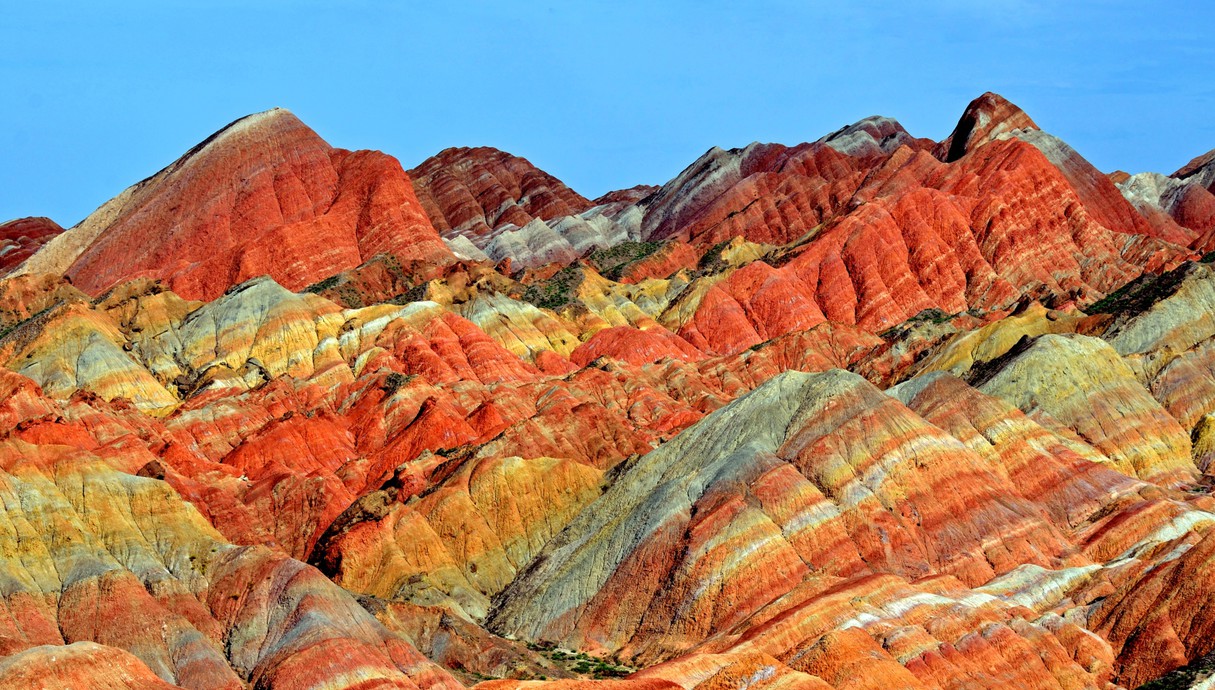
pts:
pixel 20 238
pixel 985 119
pixel 870 135
pixel 263 194
pixel 1200 170
pixel 476 190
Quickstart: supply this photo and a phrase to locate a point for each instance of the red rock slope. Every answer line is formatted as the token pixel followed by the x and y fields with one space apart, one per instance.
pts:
pixel 489 204
pixel 20 238
pixel 697 470
pixel 477 190
pixel 264 195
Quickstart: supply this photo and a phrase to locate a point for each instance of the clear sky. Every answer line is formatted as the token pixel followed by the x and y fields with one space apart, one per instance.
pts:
pixel 603 95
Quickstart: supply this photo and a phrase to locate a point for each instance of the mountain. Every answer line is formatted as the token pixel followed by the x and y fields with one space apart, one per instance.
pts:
pixel 23 237
pixel 489 204
pixel 264 195
pixel 871 411
pixel 1185 196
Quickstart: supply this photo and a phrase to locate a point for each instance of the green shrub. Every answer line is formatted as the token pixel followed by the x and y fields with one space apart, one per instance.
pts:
pixel 612 261
pixel 1139 294
pixel 394 382
pixel 323 285
pixel 556 292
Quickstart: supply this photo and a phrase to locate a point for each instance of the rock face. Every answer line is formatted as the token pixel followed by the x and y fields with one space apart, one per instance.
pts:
pixel 507 208
pixel 987 118
pixel 101 556
pixel 754 506
pixel 1200 171
pixel 804 475
pixel 474 191
pixel 868 412
pixel 1186 197
pixel 21 238
pixel 80 664
pixel 1081 382
pixel 954 235
pixel 873 136
pixel 264 195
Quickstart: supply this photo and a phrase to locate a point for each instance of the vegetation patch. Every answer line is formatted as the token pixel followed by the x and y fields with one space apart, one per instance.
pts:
pixel 395 381
pixel 417 293
pixel 931 315
pixel 713 261
pixel 612 261
pixel 556 292
pixel 391 263
pixel 982 372
pixel 6 330
pixel 598 668
pixel 1185 677
pixel 322 285
pixel 1140 294
pixel 350 296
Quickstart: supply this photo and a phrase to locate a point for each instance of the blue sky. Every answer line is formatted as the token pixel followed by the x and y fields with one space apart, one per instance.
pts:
pixel 601 94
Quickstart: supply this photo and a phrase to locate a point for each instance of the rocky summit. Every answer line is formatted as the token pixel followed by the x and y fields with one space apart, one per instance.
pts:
pixel 868 412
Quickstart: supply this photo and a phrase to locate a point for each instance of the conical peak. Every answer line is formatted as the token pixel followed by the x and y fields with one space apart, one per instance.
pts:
pixel 275 123
pixel 985 119
pixel 274 120
pixel 1200 170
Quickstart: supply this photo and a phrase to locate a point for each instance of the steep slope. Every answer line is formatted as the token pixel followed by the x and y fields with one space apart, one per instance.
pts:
pixel 643 433
pixel 474 191
pixel 807 476
pixel 1186 197
pixel 986 119
pixel 1200 170
pixel 1081 384
pixel 873 136
pixel 264 195
pixel 875 234
pixel 102 556
pixel 776 528
pixel 488 202
pixel 21 238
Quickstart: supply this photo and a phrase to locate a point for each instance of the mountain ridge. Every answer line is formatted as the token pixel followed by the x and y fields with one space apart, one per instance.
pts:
pixel 870 411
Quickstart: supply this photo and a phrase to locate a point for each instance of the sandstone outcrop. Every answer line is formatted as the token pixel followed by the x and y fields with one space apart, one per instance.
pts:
pixel 867 412
pixel 21 238
pixel 504 207
pixel 264 195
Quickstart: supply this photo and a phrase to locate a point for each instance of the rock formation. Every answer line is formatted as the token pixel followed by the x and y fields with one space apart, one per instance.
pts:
pixel 23 237
pixel 867 412
pixel 264 195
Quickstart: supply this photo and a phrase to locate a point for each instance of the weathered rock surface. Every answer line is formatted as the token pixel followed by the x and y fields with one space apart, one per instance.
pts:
pixel 1200 170
pixel 642 433
pixel 100 555
pixel 986 119
pixel 1082 384
pixel 474 191
pixel 809 474
pixel 78 665
pixel 504 207
pixel 264 195
pixel 873 136
pixel 21 238
pixel 947 232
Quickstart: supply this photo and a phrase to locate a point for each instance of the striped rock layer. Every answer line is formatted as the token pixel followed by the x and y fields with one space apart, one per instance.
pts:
pixel 868 412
